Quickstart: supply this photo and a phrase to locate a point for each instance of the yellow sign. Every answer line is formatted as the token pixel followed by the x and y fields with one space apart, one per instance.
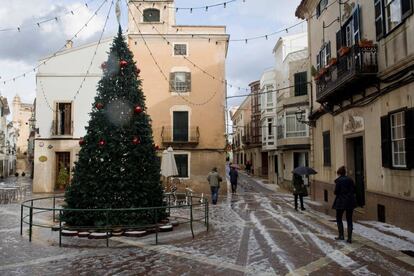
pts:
pixel 42 158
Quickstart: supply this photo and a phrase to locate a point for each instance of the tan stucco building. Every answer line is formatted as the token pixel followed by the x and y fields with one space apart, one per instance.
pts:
pixel 241 119
pixel 363 103
pixel 21 115
pixel 183 73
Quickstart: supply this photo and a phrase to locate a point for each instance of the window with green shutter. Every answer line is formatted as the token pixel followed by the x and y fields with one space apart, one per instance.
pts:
pixel 180 82
pixel 326 148
pixel 301 84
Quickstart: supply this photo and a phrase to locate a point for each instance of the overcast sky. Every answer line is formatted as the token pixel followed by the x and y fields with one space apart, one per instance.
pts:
pixel 21 50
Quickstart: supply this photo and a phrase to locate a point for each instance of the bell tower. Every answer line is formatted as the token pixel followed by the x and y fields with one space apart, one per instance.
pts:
pixel 146 14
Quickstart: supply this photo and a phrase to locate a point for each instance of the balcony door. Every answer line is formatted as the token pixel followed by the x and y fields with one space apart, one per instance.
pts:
pixel 64 119
pixel 180 126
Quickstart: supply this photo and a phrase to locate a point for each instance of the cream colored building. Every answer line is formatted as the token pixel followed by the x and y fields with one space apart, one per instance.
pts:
pixel 363 103
pixel 241 119
pixel 61 112
pixel 253 141
pixel 21 115
pixel 293 143
pixel 185 100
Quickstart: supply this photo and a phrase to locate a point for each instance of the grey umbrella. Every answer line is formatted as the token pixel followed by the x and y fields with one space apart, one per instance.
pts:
pixel 301 170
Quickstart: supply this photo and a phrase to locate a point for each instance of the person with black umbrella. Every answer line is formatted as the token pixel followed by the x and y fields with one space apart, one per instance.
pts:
pixel 299 190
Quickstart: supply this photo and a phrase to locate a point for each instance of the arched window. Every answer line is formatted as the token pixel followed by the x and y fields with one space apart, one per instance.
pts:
pixel 151 15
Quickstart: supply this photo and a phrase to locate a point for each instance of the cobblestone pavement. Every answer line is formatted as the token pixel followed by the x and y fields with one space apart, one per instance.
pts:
pixel 255 232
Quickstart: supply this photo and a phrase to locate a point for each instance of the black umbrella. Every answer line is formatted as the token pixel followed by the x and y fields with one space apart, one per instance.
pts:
pixel 304 171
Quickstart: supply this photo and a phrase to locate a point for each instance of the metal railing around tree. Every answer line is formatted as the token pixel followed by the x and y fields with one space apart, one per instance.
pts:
pixel 197 207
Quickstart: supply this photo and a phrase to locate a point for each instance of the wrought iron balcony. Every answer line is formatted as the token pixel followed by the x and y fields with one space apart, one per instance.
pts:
pixel 350 73
pixel 173 137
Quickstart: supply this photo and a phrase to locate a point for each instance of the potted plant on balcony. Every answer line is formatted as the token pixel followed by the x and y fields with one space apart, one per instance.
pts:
pixel 344 50
pixel 332 62
pixel 365 43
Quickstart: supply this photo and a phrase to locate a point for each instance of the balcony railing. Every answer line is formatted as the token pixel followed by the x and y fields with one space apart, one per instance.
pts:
pixel 355 70
pixel 169 138
pixel 57 130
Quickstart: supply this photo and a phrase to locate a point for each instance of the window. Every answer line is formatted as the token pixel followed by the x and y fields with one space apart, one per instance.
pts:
pixel 320 7
pixel 180 49
pixel 326 148
pixel 180 126
pixel 182 164
pixel 398 140
pixel 269 127
pixel 389 14
pixel 324 56
pixel 293 127
pixel 301 85
pixel 151 15
pixel 63 120
pixel 180 82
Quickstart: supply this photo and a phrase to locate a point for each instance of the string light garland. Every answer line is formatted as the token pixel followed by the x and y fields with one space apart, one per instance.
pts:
pixel 43 21
pixel 206 8
pixel 218 79
pixel 98 105
pixel 162 72
pixel 13 79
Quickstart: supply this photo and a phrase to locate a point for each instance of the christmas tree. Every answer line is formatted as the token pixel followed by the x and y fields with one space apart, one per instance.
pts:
pixel 117 166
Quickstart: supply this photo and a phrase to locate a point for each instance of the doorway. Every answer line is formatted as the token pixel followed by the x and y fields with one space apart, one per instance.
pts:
pixel 62 163
pixel 265 164
pixel 356 170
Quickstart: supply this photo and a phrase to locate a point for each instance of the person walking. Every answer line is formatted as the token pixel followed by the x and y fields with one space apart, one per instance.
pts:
pixel 248 167
pixel 345 201
pixel 214 180
pixel 299 191
pixel 234 175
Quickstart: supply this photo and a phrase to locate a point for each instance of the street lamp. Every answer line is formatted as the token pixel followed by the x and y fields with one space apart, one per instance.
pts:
pixel 300 117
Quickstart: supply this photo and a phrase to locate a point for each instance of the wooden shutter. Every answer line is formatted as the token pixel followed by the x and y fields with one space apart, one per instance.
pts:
pixel 188 81
pixel 318 10
pixel 297 84
pixel 379 18
pixel 356 18
pixel 327 148
pixel 406 8
pixel 67 118
pixel 328 52
pixel 338 40
pixel 386 142
pixel 409 137
pixel 318 62
pixel 172 82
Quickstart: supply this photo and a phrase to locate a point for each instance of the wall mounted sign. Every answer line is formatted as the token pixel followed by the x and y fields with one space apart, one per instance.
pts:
pixel 41 144
pixel 50 147
pixel 353 124
pixel 42 158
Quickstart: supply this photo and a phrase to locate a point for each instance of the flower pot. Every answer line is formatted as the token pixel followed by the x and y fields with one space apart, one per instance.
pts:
pixel 344 51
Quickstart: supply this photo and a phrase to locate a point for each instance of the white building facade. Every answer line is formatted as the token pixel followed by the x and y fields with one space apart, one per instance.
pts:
pixel 64 96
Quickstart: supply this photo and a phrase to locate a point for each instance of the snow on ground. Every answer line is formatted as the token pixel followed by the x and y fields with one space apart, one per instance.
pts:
pixel 271 243
pixel 391 229
pixel 257 261
pixel 388 241
pixel 336 255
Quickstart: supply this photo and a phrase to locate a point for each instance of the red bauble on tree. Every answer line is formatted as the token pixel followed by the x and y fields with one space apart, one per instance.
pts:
pixel 137 70
pixel 104 65
pixel 123 63
pixel 156 147
pixel 81 142
pixel 137 109
pixel 101 142
pixel 99 106
pixel 136 140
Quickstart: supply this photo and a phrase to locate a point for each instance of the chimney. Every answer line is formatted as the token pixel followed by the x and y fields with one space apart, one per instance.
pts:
pixel 69 44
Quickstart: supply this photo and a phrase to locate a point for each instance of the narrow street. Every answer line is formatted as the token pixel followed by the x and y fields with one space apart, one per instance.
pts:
pixel 255 232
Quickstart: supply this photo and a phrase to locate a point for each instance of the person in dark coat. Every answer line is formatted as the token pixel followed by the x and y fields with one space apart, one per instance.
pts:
pixel 345 201
pixel 214 180
pixel 299 190
pixel 234 175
